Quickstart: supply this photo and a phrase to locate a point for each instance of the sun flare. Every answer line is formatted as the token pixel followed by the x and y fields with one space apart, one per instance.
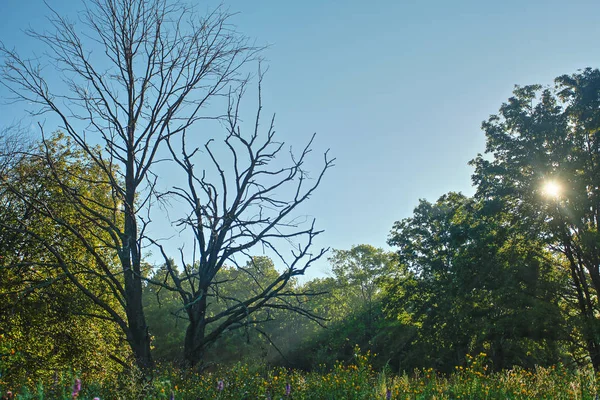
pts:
pixel 551 189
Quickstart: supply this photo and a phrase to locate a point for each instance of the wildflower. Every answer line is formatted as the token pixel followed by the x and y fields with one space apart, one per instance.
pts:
pixel 288 389
pixel 220 386
pixel 172 396
pixel 76 388
pixel 388 394
pixel 96 398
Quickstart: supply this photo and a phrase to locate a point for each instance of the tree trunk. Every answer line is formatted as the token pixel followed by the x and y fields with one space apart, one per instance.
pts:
pixel 593 349
pixel 139 341
pixel 193 350
pixel 138 336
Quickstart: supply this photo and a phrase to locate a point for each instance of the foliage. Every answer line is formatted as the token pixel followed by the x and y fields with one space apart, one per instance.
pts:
pixel 351 306
pixel 358 272
pixel 541 137
pixel 41 323
pixel 355 380
pixel 475 284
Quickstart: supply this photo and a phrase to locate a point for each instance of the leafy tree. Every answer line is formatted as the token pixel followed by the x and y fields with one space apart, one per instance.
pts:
pixel 265 331
pixel 352 308
pixel 359 271
pixel 135 73
pixel 544 170
pixel 43 315
pixel 475 284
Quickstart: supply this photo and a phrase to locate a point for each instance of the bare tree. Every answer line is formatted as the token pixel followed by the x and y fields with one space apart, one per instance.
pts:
pixel 243 206
pixel 136 74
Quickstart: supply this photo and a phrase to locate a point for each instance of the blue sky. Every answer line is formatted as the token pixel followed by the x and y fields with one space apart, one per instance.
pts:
pixel 396 89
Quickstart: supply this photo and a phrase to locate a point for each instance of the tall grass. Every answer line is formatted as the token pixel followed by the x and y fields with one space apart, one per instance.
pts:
pixel 353 381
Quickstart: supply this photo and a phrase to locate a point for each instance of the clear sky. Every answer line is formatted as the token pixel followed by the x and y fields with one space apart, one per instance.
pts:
pixel 396 89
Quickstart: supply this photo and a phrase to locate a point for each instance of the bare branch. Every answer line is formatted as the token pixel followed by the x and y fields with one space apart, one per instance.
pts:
pixel 234 207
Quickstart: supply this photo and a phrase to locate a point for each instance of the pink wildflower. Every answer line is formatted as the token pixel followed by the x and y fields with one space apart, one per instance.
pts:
pixel 76 388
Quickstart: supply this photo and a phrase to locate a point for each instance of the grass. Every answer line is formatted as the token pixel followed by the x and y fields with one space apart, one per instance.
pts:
pixel 355 381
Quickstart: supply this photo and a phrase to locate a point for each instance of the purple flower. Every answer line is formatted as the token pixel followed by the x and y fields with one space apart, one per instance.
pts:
pixel 76 388
pixel 220 386
pixel 172 396
pixel 388 394
pixel 96 398
pixel 288 389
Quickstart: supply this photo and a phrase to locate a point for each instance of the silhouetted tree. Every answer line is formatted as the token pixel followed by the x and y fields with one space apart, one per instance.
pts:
pixel 244 206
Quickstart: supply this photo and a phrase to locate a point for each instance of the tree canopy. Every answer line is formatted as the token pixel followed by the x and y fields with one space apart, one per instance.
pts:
pixel 551 136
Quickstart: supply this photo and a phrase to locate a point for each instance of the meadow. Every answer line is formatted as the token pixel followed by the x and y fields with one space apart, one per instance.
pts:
pixel 356 380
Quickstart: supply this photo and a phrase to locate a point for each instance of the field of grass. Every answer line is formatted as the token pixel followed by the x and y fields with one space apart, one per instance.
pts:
pixel 354 381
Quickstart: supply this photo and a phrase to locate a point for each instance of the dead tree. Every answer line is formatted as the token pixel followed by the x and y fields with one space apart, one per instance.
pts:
pixel 136 74
pixel 240 208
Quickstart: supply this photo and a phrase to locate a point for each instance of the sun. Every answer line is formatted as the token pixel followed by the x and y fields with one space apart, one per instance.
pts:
pixel 551 189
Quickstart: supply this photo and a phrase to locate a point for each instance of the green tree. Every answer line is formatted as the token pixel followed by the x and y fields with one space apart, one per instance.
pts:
pixel 544 170
pixel 44 316
pixel 166 319
pixel 263 333
pixel 475 283
pixel 358 272
pixel 352 309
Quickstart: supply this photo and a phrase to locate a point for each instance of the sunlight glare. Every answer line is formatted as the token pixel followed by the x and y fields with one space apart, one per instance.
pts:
pixel 551 189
